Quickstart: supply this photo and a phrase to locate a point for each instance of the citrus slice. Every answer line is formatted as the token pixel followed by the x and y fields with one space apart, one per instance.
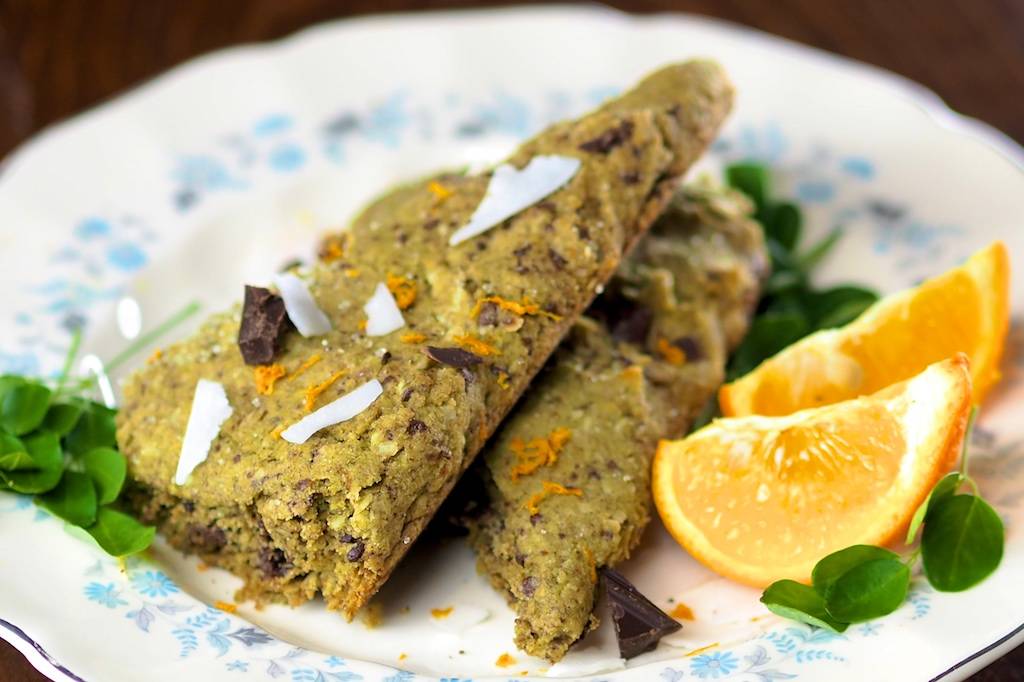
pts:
pixel 965 309
pixel 760 499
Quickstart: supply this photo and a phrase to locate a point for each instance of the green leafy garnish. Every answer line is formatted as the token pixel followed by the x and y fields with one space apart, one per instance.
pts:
pixel 791 307
pixel 60 445
pixel 962 544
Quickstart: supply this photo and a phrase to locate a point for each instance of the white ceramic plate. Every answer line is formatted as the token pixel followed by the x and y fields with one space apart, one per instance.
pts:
pixel 218 172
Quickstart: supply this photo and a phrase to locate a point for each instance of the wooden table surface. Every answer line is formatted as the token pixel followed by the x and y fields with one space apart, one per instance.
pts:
pixel 58 57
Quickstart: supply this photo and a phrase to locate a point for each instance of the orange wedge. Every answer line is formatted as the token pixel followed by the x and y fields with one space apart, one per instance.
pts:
pixel 760 499
pixel 965 309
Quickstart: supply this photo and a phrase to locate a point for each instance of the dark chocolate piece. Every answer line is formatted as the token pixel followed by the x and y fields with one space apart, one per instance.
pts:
pixel 639 624
pixel 453 357
pixel 691 346
pixel 264 323
pixel 273 562
pixel 609 139
pixel 356 553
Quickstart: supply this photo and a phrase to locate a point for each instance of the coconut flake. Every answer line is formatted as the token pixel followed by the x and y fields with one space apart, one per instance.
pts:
pixel 382 313
pixel 511 190
pixel 344 408
pixel 461 618
pixel 210 409
pixel 301 308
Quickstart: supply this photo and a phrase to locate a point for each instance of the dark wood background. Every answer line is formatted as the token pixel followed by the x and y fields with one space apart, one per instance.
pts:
pixel 58 57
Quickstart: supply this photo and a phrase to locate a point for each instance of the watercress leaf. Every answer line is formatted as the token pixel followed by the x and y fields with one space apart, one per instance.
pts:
pixel 768 334
pixel 752 179
pixel 74 499
pixel 48 460
pixel 783 223
pixel 829 569
pixel 868 590
pixel 62 417
pixel 790 599
pixel 106 467
pixel 95 429
pixel 13 454
pixel 119 534
pixel 946 487
pixel 837 306
pixel 814 255
pixel 9 381
pixel 782 282
pixel 782 259
pixel 962 543
pixel 24 407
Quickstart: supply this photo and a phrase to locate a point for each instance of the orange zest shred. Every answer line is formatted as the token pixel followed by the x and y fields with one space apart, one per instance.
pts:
pixel 537 452
pixel 276 433
pixel 592 563
pixel 202 568
pixel 266 376
pixel 351 272
pixel 505 660
pixel 226 607
pixel 313 392
pixel 527 307
pixel 682 612
pixel 362 325
pixel 402 657
pixel 157 354
pixel 332 248
pixel 503 380
pixel 701 650
pixel 439 190
pixel 312 360
pixel 672 354
pixel 549 488
pixel 441 614
pixel 413 337
pixel 476 345
pixel 404 290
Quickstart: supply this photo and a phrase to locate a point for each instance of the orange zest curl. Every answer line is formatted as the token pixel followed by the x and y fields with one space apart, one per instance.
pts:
pixel 439 190
pixel 475 345
pixel 548 489
pixel 266 376
pixel 313 392
pixel 441 613
pixel 226 607
pixel 157 354
pixel 527 307
pixel 672 354
pixel 503 380
pixel 413 337
pixel 404 290
pixel 312 360
pixel 538 452
pixel 332 248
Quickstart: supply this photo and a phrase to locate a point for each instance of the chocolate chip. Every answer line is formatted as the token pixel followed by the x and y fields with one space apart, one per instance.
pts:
pixel 303 484
pixel 385 358
pixel 453 357
pixel 345 537
pixel 557 258
pixel 189 506
pixel 406 394
pixel 431 224
pixel 627 320
pixel 630 178
pixel 467 376
pixel 639 624
pixel 520 558
pixel 535 519
pixel 356 553
pixel 415 426
pixel 609 139
pixel 273 562
pixel 691 346
pixel 488 316
pixel 206 538
pixel 529 586
pixel 264 323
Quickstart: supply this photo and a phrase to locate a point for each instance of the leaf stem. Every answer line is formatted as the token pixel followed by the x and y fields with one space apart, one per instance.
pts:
pixel 69 359
pixel 967 440
pixel 152 335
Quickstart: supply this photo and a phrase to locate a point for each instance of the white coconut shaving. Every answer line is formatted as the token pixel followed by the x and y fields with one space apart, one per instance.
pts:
pixel 344 408
pixel 302 310
pixel 210 409
pixel 382 313
pixel 511 190
pixel 461 618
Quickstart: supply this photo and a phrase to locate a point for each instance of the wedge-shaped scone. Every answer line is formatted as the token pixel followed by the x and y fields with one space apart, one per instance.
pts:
pixel 568 472
pixel 336 513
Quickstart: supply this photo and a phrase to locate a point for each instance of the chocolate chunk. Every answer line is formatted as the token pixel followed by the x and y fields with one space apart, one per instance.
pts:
pixel 415 426
pixel 691 346
pixel 385 357
pixel 264 323
pixel 406 394
pixel 356 553
pixel 639 624
pixel 453 357
pixel 273 562
pixel 557 258
pixel 206 538
pixel 346 537
pixel 609 139
pixel 488 316
pixel 529 586
pixel 630 178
